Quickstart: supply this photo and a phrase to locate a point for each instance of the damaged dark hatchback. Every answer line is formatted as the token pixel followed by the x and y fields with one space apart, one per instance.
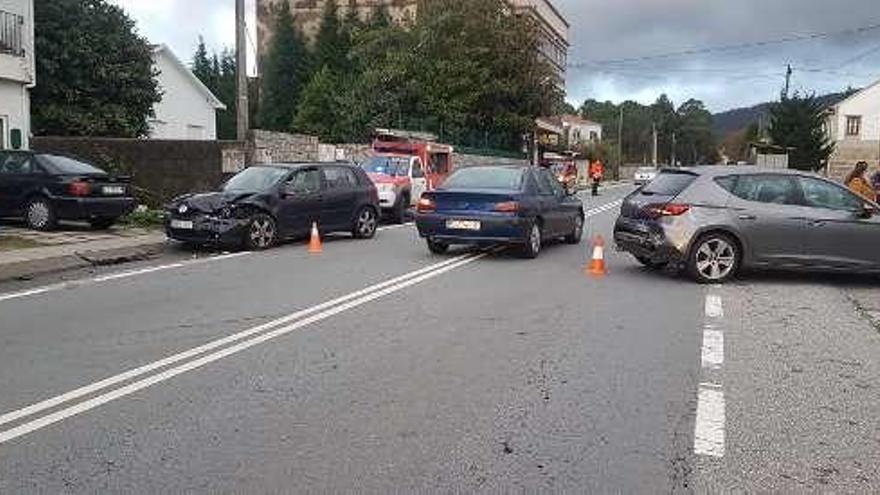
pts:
pixel 265 204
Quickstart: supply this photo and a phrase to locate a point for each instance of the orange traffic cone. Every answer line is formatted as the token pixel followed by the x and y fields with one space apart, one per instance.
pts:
pixel 596 268
pixel 315 241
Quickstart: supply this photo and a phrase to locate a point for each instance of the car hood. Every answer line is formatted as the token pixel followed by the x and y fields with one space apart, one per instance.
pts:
pixel 211 202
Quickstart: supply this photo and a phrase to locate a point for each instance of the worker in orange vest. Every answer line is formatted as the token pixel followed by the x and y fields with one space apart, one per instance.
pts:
pixel 597 171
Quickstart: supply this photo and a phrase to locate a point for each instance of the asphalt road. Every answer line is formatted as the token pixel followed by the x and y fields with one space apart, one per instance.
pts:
pixel 378 367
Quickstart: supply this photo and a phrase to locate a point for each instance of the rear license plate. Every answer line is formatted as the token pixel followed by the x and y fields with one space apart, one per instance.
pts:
pixel 463 225
pixel 113 190
pixel 182 224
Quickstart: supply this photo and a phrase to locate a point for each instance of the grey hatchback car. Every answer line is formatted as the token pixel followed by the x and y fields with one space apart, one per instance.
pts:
pixel 714 220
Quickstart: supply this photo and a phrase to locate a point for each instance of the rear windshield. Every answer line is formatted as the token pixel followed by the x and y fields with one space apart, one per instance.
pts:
pixel 669 183
pixel 509 179
pixel 69 166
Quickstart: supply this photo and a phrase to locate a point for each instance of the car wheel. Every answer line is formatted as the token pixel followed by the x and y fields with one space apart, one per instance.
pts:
pixel 578 232
pixel 714 259
pixel 102 223
pixel 399 213
pixel 653 265
pixel 40 215
pixel 437 247
pixel 365 223
pixel 261 232
pixel 533 242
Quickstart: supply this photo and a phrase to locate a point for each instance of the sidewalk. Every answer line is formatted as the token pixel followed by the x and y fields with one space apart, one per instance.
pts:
pixel 70 249
pixel 867 302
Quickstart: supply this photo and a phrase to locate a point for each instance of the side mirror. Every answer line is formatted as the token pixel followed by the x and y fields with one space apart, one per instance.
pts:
pixel 868 211
pixel 287 191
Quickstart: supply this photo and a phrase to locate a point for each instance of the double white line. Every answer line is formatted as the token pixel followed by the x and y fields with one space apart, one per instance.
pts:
pixel 208 353
pixel 606 207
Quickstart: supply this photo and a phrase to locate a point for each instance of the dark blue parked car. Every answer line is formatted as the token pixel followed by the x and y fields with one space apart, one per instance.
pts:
pixel 522 206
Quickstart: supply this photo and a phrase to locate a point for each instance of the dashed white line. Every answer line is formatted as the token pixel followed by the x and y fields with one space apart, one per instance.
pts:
pixel 709 430
pixel 714 308
pixel 713 349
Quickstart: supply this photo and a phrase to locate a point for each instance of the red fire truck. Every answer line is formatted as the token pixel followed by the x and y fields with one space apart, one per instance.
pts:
pixel 405 164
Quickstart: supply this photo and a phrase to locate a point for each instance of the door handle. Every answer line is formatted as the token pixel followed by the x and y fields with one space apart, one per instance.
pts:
pixel 748 217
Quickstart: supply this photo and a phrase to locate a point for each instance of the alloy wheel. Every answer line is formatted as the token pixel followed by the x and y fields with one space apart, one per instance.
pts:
pixel 715 259
pixel 366 223
pixel 38 214
pixel 262 232
pixel 535 238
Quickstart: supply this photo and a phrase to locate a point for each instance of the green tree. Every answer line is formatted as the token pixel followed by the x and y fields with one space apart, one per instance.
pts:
pixel 696 140
pixel 333 43
pixel 96 75
pixel 796 122
pixel 205 67
pixel 286 71
pixel 319 111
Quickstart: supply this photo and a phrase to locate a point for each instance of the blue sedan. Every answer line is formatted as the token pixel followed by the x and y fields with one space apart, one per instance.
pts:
pixel 521 206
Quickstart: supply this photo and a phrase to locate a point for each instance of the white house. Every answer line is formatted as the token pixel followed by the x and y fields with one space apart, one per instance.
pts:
pixel 577 130
pixel 17 72
pixel 188 109
pixel 854 127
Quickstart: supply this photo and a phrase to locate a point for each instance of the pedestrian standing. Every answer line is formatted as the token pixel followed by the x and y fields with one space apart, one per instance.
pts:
pixel 858 184
pixel 597 171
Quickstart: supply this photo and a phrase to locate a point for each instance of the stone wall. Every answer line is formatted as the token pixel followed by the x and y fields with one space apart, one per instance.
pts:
pixel 276 147
pixel 160 170
pixel 848 153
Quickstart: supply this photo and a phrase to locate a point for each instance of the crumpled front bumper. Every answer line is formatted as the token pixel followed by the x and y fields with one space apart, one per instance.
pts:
pixel 209 230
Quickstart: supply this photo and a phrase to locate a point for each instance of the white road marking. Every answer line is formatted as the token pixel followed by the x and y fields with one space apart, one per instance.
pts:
pixel 713 349
pixel 94 402
pixel 397 226
pixel 714 308
pixel 108 382
pixel 709 428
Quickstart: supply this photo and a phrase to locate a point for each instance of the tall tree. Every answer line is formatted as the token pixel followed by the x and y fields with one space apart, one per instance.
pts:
pixel 286 71
pixel 332 44
pixel 796 122
pixel 320 110
pixel 203 66
pixel 96 75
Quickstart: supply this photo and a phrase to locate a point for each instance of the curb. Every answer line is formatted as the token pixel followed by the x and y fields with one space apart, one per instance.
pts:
pixel 23 270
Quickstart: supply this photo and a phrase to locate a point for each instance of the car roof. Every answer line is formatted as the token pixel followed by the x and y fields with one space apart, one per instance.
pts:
pixel 298 165
pixel 724 170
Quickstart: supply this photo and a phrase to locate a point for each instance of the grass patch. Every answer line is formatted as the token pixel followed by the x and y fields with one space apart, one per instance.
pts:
pixel 10 243
pixel 145 218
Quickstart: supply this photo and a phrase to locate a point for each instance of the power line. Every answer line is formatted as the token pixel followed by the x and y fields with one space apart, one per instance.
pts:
pixel 727 48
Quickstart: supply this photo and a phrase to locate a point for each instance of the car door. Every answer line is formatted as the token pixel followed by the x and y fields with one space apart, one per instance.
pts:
pixel 301 201
pixel 19 176
pixel 340 197
pixel 419 180
pixel 551 196
pixel 839 230
pixel 766 209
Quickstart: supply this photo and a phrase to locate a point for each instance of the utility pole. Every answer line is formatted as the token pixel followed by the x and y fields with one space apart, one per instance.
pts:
pixel 654 149
pixel 619 145
pixel 672 155
pixel 241 71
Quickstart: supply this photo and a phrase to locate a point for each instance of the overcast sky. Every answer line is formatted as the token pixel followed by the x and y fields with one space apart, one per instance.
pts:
pixel 609 30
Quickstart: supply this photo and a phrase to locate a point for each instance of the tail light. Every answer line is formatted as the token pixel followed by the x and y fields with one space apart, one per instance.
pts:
pixel 80 188
pixel 666 210
pixel 507 207
pixel 426 205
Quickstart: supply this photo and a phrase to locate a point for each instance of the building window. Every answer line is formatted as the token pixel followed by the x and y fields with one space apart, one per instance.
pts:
pixel 594 136
pixel 11 34
pixel 853 125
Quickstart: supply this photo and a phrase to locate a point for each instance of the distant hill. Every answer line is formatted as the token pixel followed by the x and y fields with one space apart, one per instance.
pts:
pixel 731 121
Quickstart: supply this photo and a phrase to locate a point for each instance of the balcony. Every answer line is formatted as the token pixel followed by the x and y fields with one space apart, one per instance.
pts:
pixel 11 34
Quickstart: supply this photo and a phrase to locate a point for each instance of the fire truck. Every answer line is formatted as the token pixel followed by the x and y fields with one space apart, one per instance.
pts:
pixel 405 164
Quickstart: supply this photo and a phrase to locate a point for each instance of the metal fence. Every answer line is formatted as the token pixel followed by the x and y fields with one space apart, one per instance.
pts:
pixel 11 34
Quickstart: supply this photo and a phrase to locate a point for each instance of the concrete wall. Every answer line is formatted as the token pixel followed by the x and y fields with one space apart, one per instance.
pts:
pixel 848 153
pixel 15 112
pixel 185 112
pixel 275 147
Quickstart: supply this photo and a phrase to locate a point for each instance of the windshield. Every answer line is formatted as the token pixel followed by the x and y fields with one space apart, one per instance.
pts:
pixel 393 166
pixel 255 179
pixel 69 166
pixel 508 179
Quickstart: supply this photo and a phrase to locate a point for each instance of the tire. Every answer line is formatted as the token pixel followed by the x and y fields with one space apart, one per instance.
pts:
pixel 365 223
pixel 714 259
pixel 578 233
pixel 653 265
pixel 532 247
pixel 102 223
pixel 398 214
pixel 40 214
pixel 437 247
pixel 261 233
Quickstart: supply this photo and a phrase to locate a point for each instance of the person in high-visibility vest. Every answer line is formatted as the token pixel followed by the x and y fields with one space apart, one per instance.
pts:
pixel 597 171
